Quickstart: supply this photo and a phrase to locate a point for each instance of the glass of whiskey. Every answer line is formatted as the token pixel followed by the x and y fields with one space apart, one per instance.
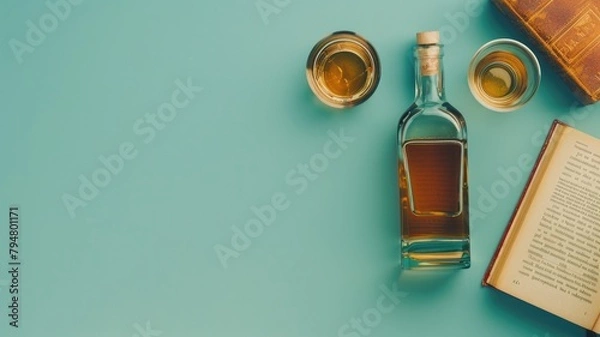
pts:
pixel 343 69
pixel 504 74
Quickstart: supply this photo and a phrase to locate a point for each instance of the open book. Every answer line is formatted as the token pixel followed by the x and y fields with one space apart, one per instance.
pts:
pixel 549 255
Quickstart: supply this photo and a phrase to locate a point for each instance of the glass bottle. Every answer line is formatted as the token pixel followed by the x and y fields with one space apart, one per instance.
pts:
pixel 432 169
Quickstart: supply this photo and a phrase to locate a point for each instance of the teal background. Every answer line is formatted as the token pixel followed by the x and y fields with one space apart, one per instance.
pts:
pixel 142 252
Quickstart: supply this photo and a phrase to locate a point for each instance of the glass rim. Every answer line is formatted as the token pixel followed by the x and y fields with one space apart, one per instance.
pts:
pixel 343 36
pixel 530 59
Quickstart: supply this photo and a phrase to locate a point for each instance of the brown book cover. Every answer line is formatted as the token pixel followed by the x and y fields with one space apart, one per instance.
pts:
pixel 568 32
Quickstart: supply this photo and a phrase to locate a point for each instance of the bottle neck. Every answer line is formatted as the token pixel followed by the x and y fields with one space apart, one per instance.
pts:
pixel 429 75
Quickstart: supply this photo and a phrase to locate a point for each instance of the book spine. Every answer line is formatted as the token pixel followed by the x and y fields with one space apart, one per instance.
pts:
pixel 582 95
pixel 486 275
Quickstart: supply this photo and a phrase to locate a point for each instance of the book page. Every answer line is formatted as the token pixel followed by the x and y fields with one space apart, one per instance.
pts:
pixel 554 261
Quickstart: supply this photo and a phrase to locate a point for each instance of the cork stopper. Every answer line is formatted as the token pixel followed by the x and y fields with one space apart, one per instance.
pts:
pixel 429 52
pixel 429 37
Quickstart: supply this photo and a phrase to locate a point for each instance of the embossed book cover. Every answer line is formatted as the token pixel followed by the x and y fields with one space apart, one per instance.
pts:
pixel 568 31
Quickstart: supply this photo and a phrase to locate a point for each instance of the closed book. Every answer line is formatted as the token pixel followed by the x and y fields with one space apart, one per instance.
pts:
pixel 568 33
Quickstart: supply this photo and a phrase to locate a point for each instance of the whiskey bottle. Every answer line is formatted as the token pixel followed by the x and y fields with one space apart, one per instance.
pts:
pixel 432 169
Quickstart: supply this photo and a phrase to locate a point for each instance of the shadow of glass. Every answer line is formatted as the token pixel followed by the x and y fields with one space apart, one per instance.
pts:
pixel 310 110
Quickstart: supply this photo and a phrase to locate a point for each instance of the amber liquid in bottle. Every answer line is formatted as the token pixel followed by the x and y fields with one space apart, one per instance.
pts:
pixel 435 174
pixel 432 170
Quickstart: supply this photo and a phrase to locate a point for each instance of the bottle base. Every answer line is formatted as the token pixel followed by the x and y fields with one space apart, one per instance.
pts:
pixel 435 253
